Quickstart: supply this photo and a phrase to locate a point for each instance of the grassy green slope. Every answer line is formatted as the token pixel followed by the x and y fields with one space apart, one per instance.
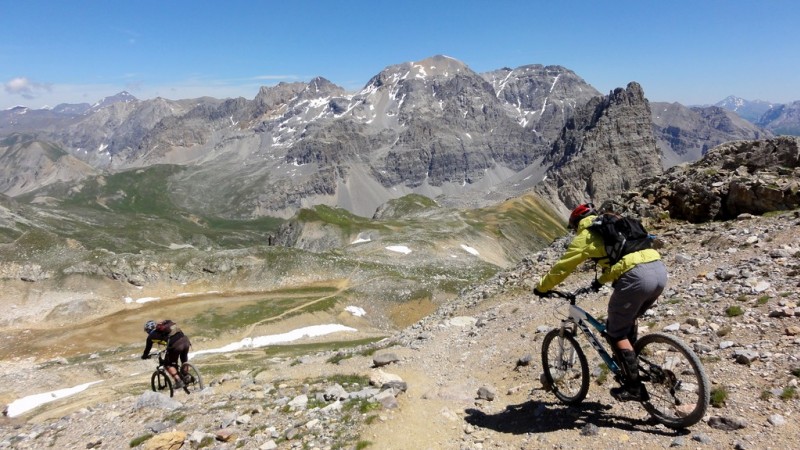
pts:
pixel 131 211
pixel 126 227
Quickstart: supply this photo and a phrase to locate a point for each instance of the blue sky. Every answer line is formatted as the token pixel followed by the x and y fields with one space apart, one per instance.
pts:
pixel 692 52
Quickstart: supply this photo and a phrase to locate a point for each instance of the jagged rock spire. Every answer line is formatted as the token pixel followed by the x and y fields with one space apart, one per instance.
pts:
pixel 605 149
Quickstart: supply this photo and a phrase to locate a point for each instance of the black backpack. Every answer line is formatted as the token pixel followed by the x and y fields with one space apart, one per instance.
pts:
pixel 621 235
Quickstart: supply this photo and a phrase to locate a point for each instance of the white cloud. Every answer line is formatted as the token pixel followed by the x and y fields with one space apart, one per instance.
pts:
pixel 25 87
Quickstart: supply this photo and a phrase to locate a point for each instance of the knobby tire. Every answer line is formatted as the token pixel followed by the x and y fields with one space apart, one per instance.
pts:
pixel 197 380
pixel 675 380
pixel 161 381
pixel 566 370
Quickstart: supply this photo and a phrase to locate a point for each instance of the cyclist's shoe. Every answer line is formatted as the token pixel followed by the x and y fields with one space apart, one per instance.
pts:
pixel 178 384
pixel 630 392
pixel 187 378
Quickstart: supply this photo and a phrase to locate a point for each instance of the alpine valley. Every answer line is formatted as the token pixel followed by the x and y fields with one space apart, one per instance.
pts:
pixel 246 217
pixel 128 197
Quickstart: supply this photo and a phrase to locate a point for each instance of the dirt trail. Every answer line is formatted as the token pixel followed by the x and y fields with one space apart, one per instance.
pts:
pixel 341 285
pixel 123 328
pixel 121 372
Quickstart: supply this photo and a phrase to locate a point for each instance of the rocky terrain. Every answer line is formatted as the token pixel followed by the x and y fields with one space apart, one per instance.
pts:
pixel 606 148
pixel 266 216
pixel 734 178
pixel 466 375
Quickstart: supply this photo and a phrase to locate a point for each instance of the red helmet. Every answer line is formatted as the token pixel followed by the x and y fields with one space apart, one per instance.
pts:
pixel 579 213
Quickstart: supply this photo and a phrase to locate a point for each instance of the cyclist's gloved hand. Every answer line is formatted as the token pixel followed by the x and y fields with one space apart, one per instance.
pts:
pixel 539 293
pixel 145 356
pixel 596 285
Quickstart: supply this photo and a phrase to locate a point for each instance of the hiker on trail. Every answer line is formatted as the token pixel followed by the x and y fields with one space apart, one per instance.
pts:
pixel 167 332
pixel 638 279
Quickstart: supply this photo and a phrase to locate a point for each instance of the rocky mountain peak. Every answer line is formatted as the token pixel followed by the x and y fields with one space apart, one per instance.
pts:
pixel 428 68
pixel 541 98
pixel 731 102
pixel 750 110
pixel 608 147
pixel 438 65
pixel 323 86
pixel 270 97
pixel 782 119
pixel 122 97
pixel 633 94
pixel 432 127
pixel 72 108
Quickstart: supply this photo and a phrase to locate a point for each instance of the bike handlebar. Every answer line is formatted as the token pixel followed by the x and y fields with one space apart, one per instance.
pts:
pixel 571 296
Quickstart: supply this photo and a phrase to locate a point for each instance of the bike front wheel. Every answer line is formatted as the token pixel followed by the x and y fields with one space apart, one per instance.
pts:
pixel 161 382
pixel 676 382
pixel 192 378
pixel 566 371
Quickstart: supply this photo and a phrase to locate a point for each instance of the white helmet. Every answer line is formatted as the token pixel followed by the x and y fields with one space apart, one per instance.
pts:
pixel 149 326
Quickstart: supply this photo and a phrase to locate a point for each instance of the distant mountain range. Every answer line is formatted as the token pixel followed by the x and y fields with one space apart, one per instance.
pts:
pixel 307 182
pixel 432 127
pixel 775 117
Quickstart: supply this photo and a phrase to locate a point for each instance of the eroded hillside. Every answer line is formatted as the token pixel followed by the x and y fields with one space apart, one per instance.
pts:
pixel 463 373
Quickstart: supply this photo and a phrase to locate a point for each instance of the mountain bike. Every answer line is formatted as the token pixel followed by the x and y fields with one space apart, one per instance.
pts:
pixel 162 380
pixel 676 384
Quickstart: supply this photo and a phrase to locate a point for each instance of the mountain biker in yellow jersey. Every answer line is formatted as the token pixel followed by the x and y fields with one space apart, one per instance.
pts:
pixel 168 333
pixel 638 280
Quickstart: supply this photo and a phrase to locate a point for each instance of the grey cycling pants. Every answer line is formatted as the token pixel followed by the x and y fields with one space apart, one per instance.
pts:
pixel 634 292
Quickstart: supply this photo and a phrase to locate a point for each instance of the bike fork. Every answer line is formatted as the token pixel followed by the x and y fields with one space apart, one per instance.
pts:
pixel 568 327
pixel 565 360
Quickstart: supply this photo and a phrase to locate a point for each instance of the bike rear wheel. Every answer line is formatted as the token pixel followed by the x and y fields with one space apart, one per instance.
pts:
pixel 675 380
pixel 161 381
pixel 566 371
pixel 193 380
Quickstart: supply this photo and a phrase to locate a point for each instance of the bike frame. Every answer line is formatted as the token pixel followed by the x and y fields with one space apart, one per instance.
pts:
pixel 578 318
pixel 162 363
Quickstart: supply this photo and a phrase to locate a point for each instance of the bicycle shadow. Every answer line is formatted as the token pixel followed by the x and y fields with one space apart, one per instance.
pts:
pixel 541 417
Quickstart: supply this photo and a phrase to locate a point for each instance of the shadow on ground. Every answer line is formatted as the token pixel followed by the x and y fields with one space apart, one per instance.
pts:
pixel 541 417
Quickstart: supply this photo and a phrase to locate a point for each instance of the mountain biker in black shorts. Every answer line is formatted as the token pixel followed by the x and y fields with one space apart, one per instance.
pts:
pixel 167 332
pixel 638 280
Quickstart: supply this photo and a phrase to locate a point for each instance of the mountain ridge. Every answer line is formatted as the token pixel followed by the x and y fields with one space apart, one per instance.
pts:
pixel 432 127
pixel 778 118
pixel 463 375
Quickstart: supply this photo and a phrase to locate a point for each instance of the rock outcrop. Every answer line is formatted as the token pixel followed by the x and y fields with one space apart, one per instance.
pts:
pixel 606 149
pixel 752 177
